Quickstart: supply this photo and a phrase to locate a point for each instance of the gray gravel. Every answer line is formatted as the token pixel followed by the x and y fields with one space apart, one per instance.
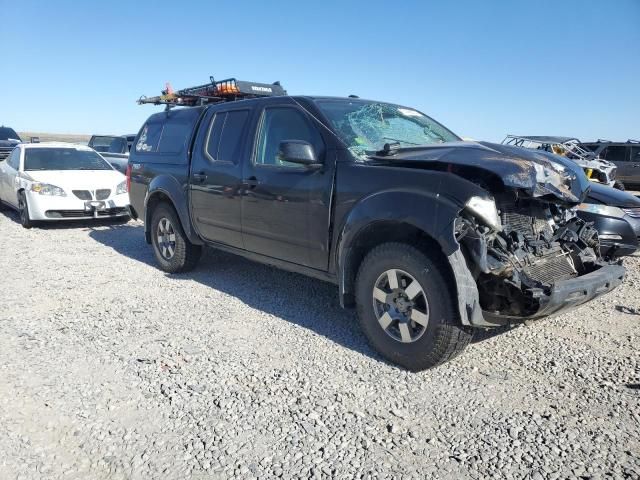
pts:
pixel 109 368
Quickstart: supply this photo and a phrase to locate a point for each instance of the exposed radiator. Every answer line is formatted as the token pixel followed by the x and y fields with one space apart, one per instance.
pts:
pixel 551 269
pixel 531 222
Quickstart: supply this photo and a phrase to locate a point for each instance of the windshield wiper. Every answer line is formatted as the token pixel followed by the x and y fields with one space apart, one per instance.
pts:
pixel 395 140
pixel 389 149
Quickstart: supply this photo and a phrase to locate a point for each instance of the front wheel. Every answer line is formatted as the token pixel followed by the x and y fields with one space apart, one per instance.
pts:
pixel 23 209
pixel 407 309
pixel 173 250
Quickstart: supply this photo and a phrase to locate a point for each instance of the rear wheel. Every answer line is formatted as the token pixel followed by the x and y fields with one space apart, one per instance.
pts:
pixel 407 309
pixel 173 250
pixel 23 210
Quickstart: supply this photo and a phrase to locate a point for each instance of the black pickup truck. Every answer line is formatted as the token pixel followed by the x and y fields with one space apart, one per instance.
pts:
pixel 426 235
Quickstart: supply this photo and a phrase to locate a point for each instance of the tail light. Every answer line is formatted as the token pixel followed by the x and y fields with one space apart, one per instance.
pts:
pixel 128 174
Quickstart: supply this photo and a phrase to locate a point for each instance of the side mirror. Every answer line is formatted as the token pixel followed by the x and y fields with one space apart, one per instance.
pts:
pixel 298 151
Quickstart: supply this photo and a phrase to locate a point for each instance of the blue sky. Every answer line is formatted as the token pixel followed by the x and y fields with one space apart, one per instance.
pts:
pixel 483 68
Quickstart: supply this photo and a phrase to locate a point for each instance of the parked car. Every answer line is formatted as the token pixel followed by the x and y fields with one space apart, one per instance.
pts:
pixel 616 216
pixel 596 169
pixel 8 140
pixel 61 181
pixel 625 155
pixel 426 235
pixel 114 149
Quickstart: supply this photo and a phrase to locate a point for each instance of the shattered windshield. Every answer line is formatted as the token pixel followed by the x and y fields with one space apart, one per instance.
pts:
pixel 366 127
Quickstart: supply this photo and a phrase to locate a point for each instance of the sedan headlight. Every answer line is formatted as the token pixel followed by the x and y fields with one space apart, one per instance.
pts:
pixel 602 209
pixel 485 210
pixel 47 189
pixel 121 188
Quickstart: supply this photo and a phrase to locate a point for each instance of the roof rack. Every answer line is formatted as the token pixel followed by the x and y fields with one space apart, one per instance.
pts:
pixel 631 140
pixel 213 92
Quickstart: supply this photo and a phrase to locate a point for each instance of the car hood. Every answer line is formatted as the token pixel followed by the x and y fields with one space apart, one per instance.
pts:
pixel 78 179
pixel 538 173
pixel 612 197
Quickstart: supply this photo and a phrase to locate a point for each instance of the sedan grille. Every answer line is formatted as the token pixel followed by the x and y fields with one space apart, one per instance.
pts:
pixel 103 194
pixel 632 212
pixel 83 194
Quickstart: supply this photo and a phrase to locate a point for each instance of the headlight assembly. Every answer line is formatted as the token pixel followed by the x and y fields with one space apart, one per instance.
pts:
pixel 601 209
pixel 47 189
pixel 121 188
pixel 485 210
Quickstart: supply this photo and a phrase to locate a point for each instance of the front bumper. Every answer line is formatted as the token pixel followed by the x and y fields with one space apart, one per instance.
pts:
pixel 569 294
pixel 52 208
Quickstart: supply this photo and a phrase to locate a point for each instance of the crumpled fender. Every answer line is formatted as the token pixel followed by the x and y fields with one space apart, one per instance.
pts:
pixel 432 210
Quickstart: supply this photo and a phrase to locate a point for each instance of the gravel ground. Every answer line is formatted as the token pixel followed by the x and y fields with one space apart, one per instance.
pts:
pixel 112 369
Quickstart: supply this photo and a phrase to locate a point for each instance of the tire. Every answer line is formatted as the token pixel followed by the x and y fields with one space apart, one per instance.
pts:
pixel 619 186
pixel 23 210
pixel 173 250
pixel 431 319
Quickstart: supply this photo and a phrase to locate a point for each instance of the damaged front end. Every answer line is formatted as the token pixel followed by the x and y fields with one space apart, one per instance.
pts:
pixel 536 259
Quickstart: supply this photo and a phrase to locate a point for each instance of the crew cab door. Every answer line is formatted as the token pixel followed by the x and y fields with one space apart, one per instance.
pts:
pixel 216 175
pixel 286 206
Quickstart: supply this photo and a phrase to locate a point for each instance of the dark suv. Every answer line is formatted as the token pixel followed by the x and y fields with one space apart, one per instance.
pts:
pixel 8 140
pixel 426 235
pixel 626 156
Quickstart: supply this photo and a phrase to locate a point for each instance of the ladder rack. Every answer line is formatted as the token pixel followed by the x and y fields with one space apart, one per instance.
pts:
pixel 213 92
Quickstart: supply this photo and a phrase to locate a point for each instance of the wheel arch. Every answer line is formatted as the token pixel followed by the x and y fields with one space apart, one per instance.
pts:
pixel 425 221
pixel 165 189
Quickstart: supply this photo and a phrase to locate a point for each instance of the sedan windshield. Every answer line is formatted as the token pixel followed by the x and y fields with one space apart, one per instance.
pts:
pixel 7 133
pixel 365 127
pixel 63 159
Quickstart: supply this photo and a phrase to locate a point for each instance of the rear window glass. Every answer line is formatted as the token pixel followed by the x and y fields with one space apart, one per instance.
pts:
pixel 149 138
pixel 174 137
pixel 102 143
pixel 225 136
pixel 63 159
pixel 163 138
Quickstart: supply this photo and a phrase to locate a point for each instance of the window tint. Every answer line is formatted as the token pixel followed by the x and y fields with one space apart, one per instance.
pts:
pixel 616 154
pixel 174 137
pixel 231 140
pixel 149 138
pixel 225 135
pixel 118 145
pixel 635 154
pixel 278 125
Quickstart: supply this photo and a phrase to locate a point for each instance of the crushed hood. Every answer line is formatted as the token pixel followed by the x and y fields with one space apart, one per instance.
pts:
pixel 538 173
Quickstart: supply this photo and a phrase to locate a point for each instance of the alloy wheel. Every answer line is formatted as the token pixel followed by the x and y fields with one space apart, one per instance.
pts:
pixel 401 306
pixel 166 238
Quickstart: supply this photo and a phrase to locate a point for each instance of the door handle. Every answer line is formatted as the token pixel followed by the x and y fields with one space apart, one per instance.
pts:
pixel 200 177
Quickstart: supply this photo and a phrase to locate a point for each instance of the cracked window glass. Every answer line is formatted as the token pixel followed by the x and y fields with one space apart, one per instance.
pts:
pixel 365 127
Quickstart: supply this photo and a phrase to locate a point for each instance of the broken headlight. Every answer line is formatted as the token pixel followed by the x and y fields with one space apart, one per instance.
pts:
pixel 601 209
pixel 484 209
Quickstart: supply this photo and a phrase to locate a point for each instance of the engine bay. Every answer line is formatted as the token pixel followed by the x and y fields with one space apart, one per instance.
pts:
pixel 540 243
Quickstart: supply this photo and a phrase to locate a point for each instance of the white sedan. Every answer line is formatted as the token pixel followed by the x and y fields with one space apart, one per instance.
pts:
pixel 61 181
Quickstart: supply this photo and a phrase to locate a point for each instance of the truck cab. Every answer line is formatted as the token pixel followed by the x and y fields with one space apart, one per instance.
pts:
pixel 426 235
